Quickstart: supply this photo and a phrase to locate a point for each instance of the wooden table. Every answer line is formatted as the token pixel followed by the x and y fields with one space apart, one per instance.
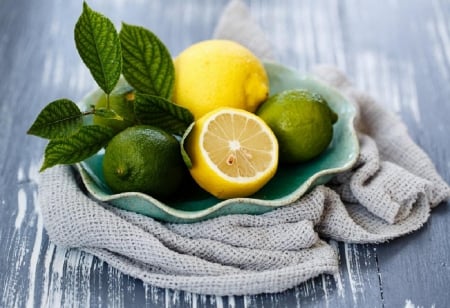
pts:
pixel 398 51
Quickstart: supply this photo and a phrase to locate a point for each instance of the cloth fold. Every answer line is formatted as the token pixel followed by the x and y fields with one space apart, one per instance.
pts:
pixel 389 192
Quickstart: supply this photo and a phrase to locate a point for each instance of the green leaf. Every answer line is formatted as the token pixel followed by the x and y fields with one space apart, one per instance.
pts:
pixel 83 144
pixel 58 119
pixel 157 111
pixel 147 64
pixel 187 160
pixel 108 114
pixel 99 47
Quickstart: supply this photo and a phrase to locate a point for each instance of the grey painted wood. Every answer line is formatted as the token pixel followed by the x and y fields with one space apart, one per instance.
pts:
pixel 399 51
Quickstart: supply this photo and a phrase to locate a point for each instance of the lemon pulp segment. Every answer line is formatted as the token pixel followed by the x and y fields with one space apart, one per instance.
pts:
pixel 237 146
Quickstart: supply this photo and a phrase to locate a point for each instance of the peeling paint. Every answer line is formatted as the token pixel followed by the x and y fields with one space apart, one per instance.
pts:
pixel 21 207
pixel 409 304
pixel 33 263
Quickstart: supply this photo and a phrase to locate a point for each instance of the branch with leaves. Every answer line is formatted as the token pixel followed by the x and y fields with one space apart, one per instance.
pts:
pixel 145 63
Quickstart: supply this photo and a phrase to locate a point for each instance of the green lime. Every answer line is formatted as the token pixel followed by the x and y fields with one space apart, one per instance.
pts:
pixel 121 101
pixel 302 122
pixel 143 159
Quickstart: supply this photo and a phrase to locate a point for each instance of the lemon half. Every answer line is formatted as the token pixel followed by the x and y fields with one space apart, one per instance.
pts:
pixel 234 153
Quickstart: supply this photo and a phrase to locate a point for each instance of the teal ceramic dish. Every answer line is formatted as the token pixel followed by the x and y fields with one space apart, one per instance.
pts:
pixel 288 185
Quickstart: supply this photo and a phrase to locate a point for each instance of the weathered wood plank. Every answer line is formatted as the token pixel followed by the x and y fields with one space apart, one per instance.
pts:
pixel 412 81
pixel 404 61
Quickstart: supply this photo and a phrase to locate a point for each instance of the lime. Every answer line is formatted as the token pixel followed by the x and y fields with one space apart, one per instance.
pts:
pixel 302 122
pixel 219 73
pixel 143 159
pixel 121 101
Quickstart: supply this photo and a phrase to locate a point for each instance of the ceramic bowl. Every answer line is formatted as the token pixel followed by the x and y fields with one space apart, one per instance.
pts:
pixel 289 184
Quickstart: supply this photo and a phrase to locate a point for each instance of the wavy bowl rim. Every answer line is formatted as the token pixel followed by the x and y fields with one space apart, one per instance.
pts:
pixel 269 204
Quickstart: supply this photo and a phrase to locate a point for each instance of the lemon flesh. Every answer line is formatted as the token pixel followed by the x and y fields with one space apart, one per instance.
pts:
pixel 233 153
pixel 219 73
pixel 302 121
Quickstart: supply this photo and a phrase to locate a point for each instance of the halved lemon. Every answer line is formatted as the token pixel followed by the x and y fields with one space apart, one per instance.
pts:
pixel 234 153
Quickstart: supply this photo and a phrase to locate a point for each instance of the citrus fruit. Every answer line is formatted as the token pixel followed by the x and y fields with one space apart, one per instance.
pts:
pixel 302 121
pixel 219 73
pixel 121 101
pixel 233 152
pixel 143 159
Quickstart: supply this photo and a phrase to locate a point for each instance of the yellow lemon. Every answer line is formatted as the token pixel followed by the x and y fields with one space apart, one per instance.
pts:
pixel 234 153
pixel 219 73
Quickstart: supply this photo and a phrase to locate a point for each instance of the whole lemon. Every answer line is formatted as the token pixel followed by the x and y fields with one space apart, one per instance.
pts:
pixel 143 159
pixel 219 73
pixel 302 121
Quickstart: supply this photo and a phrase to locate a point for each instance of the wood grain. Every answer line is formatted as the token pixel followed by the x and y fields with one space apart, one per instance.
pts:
pixel 398 51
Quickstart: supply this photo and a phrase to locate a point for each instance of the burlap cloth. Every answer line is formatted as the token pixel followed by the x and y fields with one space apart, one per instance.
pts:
pixel 388 193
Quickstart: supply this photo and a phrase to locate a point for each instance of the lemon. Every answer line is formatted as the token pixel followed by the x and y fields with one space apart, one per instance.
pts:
pixel 143 159
pixel 219 73
pixel 302 121
pixel 233 153
pixel 121 101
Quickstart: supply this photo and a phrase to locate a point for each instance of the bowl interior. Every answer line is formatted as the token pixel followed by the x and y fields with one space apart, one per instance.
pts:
pixel 289 183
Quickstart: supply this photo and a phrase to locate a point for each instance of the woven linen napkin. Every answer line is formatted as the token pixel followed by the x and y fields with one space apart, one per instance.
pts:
pixel 389 192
